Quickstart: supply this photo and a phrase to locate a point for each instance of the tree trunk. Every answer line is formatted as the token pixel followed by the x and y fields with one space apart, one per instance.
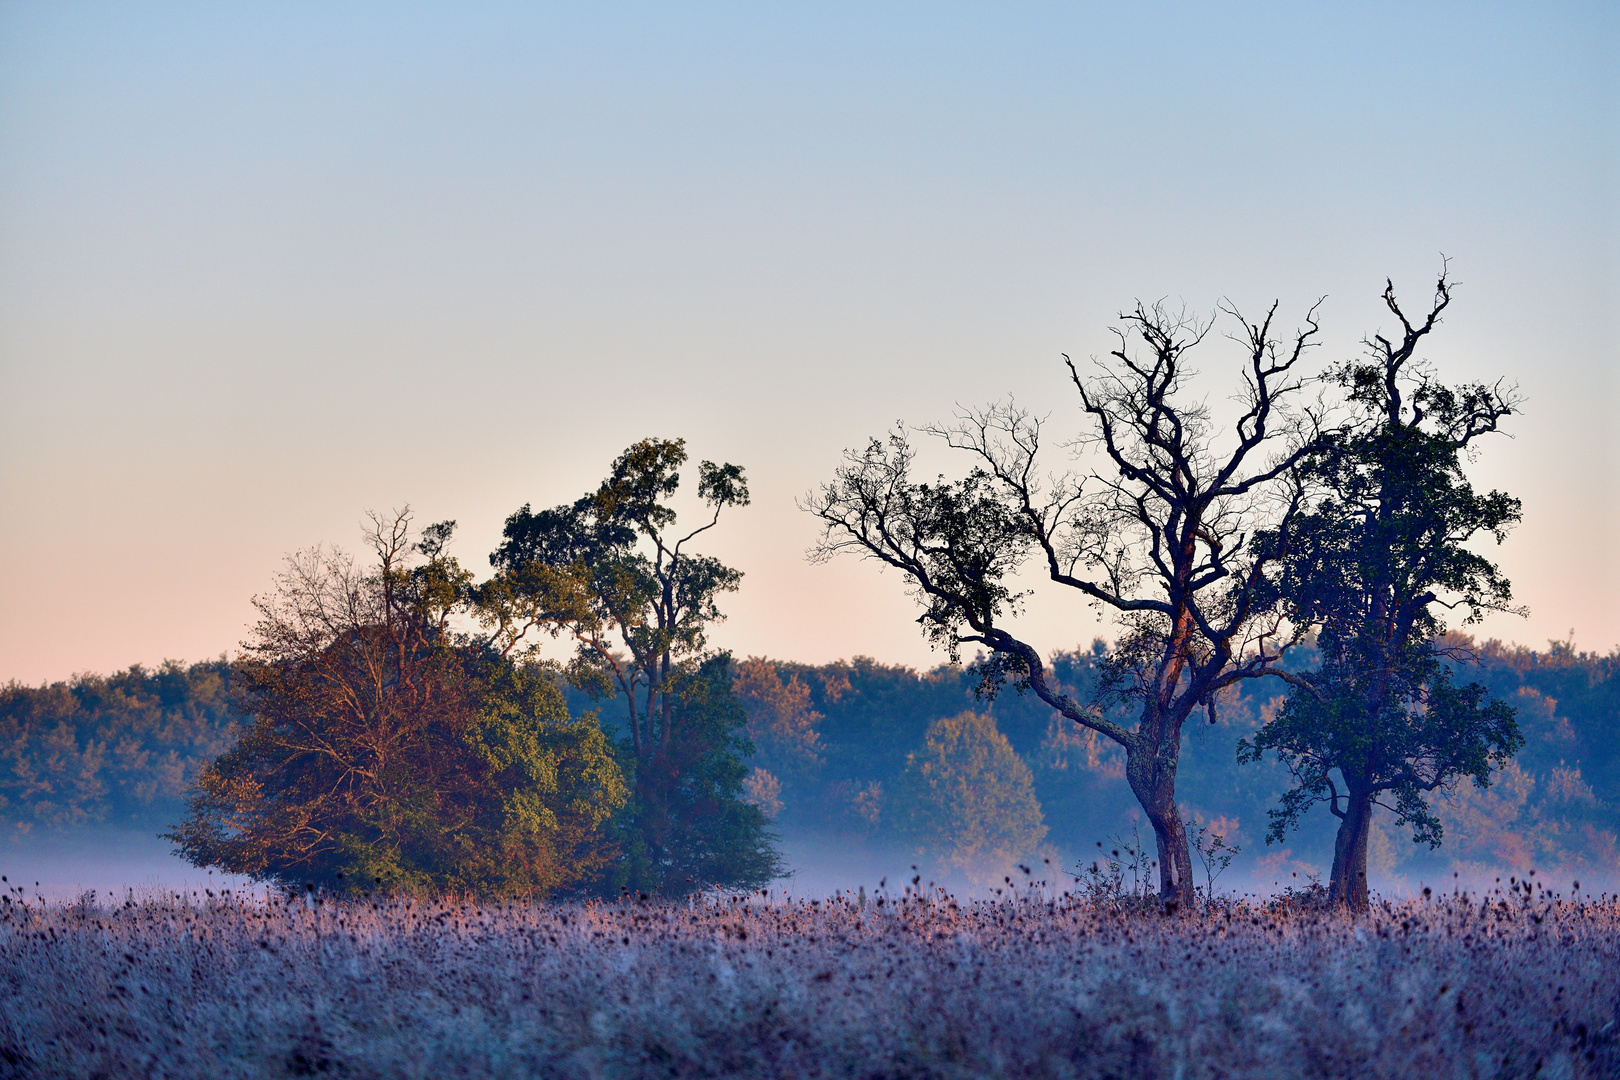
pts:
pixel 1153 780
pixel 1349 885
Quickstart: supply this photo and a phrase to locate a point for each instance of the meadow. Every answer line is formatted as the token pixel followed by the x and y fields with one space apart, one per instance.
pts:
pixel 1518 983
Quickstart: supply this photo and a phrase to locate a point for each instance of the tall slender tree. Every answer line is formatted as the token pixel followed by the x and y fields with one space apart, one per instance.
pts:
pixel 614 573
pixel 1159 533
pixel 1375 563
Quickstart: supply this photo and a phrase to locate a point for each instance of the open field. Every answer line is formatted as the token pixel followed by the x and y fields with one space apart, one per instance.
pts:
pixel 239 986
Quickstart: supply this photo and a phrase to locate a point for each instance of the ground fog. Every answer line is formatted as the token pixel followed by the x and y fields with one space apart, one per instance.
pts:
pixel 1517 983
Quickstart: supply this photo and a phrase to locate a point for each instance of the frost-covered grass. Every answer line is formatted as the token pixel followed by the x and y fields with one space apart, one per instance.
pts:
pixel 238 986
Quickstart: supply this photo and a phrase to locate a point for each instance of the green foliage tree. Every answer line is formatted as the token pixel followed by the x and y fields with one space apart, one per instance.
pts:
pixel 1374 563
pixel 1159 534
pixel 385 749
pixel 688 824
pixel 968 798
pixel 614 573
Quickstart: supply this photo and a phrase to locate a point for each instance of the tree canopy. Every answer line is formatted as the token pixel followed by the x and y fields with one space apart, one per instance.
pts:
pixel 383 749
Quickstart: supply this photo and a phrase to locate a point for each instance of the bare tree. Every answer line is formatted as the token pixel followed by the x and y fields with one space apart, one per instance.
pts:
pixel 1161 533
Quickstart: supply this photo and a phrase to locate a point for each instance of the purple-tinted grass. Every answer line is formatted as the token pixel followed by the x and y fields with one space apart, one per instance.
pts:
pixel 1033 985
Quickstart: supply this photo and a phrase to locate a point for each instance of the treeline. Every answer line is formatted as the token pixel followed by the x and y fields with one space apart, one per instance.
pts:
pixel 114 750
pixel 836 741
pixel 840 753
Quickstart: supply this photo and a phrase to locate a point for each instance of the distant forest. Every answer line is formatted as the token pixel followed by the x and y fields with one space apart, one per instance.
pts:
pixel 1557 806
pixel 863 755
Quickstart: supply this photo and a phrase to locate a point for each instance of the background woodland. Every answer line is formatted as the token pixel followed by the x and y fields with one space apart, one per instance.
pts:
pixel 865 757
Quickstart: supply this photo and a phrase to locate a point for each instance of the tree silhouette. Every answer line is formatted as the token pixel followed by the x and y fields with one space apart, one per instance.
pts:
pixel 1381 553
pixel 1160 534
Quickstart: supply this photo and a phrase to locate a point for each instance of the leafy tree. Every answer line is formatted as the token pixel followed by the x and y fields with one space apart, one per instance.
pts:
pixel 1158 534
pixel 688 824
pixel 1374 564
pixel 383 748
pixel 613 572
pixel 969 798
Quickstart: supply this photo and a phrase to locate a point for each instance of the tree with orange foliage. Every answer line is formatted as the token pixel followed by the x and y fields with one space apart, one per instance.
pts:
pixel 781 724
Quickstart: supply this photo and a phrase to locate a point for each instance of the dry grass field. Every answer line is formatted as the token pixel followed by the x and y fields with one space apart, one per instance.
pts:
pixel 1518 984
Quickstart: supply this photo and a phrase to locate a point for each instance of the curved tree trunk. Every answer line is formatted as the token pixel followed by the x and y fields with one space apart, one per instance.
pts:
pixel 1153 780
pixel 1348 887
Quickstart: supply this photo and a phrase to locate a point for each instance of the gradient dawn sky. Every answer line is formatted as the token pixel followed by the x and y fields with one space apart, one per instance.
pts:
pixel 265 267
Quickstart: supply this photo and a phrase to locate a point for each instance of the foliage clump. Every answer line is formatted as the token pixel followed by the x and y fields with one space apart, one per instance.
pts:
pixel 968 798
pixel 384 749
pixel 689 824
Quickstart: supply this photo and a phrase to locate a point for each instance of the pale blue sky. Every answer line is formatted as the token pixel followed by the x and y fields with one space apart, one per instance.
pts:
pixel 263 268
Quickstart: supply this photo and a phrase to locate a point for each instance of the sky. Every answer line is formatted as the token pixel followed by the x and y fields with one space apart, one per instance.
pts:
pixel 266 267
